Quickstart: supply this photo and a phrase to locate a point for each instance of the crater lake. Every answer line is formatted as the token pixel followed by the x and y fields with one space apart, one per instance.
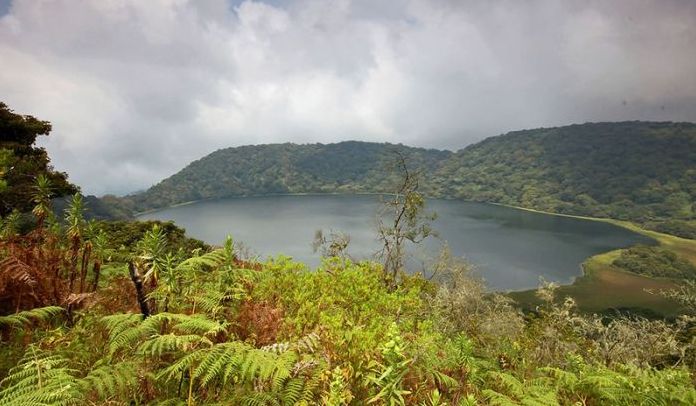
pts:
pixel 510 248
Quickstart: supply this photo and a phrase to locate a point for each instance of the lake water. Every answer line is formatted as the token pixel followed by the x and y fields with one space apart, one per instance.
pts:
pixel 511 249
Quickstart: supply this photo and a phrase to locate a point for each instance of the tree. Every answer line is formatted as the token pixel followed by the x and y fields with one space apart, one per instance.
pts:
pixel 333 244
pixel 21 163
pixel 402 219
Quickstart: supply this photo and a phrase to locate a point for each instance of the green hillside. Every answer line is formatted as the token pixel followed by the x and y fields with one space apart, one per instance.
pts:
pixel 639 171
pixel 289 168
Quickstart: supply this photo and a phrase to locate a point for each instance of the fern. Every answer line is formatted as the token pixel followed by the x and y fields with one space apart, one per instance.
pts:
pixel 170 402
pixel 40 378
pixel 171 343
pixel 214 301
pixel 109 381
pixel 211 259
pixel 305 345
pixel 13 269
pixel 512 391
pixel 28 317
pixel 125 331
pixel 626 386
pixel 129 331
pixel 273 378
pixel 198 324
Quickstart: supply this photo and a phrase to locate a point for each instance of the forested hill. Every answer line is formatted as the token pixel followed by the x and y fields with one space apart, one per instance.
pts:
pixel 348 167
pixel 640 171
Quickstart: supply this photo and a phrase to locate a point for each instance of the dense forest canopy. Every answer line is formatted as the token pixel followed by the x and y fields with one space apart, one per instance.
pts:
pixel 346 167
pixel 639 171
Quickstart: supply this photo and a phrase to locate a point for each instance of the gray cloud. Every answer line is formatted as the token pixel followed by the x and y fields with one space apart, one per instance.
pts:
pixel 137 89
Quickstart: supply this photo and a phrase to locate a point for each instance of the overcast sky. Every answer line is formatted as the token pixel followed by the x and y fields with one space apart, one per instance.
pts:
pixel 137 89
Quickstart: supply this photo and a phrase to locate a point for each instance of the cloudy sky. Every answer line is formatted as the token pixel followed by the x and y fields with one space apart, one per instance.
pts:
pixel 137 89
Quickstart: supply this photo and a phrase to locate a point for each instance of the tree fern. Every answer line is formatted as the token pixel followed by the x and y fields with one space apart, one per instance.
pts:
pixel 211 259
pixel 13 269
pixel 213 301
pixel 305 345
pixel 267 374
pixel 198 324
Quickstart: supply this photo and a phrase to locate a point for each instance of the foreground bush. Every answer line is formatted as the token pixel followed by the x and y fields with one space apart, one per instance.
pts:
pixel 222 331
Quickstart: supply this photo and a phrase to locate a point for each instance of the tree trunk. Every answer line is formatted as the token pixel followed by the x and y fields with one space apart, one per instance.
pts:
pixel 139 291
pixel 86 252
pixel 96 269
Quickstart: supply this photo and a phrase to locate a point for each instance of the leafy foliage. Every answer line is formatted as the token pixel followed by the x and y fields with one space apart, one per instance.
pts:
pixel 346 167
pixel 636 171
pixel 21 163
pixel 28 317
pixel 655 261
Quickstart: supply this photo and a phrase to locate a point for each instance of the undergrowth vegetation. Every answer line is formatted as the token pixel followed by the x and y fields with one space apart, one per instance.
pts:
pixel 655 261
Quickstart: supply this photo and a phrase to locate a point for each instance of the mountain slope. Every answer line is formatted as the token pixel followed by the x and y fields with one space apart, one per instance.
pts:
pixel 631 170
pixel 639 171
pixel 289 168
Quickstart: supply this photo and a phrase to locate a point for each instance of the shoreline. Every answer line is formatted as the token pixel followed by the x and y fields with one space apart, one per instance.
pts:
pixel 659 239
pixel 137 214
pixel 596 287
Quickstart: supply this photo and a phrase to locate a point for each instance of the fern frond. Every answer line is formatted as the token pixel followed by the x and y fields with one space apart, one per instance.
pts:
pixel 444 380
pixel 40 378
pixel 183 364
pixel 498 399
pixel 170 402
pixel 305 345
pixel 27 317
pixel 260 399
pixel 168 343
pixel 221 362
pixel 213 301
pixel 211 259
pixel 12 268
pixel 126 331
pixel 512 385
pixel 198 324
pixel 110 381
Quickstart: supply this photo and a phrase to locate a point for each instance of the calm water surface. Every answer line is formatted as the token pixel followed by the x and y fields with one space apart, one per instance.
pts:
pixel 510 248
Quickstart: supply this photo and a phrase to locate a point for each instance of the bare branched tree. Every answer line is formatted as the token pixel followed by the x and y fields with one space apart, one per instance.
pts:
pixel 333 244
pixel 402 219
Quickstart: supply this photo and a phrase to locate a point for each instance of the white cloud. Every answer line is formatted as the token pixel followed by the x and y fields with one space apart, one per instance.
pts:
pixel 137 89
